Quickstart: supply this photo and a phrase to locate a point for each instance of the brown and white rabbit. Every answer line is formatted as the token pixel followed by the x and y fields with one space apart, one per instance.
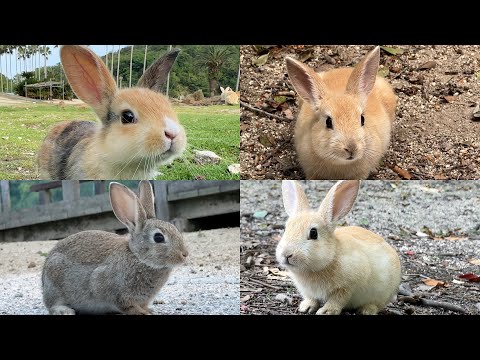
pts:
pixel 345 121
pixel 229 97
pixel 100 272
pixel 139 129
pixel 346 267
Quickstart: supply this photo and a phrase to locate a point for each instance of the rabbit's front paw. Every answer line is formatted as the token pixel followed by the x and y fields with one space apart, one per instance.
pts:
pixel 308 305
pixel 329 309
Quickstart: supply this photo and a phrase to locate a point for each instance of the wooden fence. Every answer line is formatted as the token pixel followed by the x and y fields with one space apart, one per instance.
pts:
pixel 182 202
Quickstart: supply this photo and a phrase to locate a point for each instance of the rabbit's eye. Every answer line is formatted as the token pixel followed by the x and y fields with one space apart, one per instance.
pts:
pixel 362 120
pixel 313 234
pixel 329 123
pixel 128 117
pixel 159 238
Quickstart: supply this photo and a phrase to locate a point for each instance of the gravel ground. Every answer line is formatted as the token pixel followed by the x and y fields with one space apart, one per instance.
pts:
pixel 434 226
pixel 207 284
pixel 434 136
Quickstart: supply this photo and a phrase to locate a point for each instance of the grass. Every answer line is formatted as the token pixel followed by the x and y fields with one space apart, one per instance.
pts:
pixel 214 128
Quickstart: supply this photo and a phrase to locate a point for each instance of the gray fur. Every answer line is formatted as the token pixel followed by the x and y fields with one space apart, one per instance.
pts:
pixel 156 75
pixel 65 143
pixel 98 272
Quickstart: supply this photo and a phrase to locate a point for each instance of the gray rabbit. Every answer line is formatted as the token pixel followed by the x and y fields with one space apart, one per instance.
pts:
pixel 98 272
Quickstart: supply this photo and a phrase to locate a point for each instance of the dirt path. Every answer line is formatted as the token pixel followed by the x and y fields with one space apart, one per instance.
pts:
pixel 434 136
pixel 442 244
pixel 207 284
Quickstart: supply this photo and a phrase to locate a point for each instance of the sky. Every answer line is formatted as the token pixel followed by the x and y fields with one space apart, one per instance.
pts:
pixel 54 58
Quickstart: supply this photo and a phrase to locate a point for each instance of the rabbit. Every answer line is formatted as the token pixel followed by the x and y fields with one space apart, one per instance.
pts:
pixel 345 267
pixel 138 131
pixel 229 97
pixel 96 272
pixel 345 120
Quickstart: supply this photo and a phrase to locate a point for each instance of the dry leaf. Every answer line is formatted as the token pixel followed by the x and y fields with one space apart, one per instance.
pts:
pixel 288 114
pixel 245 298
pixel 383 72
pixel 261 60
pixel 474 261
pixel 392 51
pixel 409 252
pixel 403 173
pixel 455 238
pixel 440 177
pixel 433 282
pixel 427 65
pixel 470 277
pixel 450 98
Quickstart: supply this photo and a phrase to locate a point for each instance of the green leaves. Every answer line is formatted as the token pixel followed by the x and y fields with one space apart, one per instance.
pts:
pixel 392 51
pixel 261 60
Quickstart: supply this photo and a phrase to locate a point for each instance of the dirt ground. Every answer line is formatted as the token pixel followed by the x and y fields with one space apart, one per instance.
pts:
pixel 207 284
pixel 434 135
pixel 433 225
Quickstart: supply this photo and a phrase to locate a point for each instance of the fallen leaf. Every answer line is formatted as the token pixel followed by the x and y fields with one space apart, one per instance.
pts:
pixel 455 238
pixel 306 55
pixel 440 177
pixel 449 98
pixel 474 261
pixel 421 234
pixel 288 114
pixel 470 277
pixel 261 60
pixel 264 140
pixel 428 65
pixel 409 252
pixel 245 298
pixel 280 99
pixel 383 72
pixel 243 307
pixel 478 75
pixel 433 282
pixel 392 51
pixel 260 214
pixel 403 173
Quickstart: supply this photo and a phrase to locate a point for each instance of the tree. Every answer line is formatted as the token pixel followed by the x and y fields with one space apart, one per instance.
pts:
pixel 2 51
pixel 214 58
pixel 45 51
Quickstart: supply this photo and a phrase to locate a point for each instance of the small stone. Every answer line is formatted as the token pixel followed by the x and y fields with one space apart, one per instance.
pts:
pixel 192 271
pixel 477 305
pixel 284 298
pixel 250 261
pixel 18 295
pixel 204 157
pixel 234 169
pixel 218 267
pixel 158 302
pixel 183 302
pixel 31 265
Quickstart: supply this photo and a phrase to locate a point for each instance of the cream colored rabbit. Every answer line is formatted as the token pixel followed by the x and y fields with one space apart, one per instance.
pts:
pixel 344 268
pixel 344 125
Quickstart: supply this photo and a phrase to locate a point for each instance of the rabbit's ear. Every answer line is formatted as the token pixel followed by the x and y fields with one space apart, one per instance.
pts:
pixel 305 81
pixel 362 79
pixel 147 199
pixel 126 206
pixel 339 200
pixel 156 75
pixel 89 77
pixel 222 89
pixel 294 198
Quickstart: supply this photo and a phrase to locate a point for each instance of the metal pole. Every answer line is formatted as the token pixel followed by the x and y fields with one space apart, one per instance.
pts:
pixel 131 58
pixel 145 58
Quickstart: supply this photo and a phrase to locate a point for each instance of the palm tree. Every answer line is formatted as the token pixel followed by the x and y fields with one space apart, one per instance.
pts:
pixel 118 62
pixel 2 51
pixel 106 56
pixel 46 52
pixel 214 58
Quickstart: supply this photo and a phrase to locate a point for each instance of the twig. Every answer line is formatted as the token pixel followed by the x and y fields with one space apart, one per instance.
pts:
pixel 258 282
pixel 262 112
pixel 416 300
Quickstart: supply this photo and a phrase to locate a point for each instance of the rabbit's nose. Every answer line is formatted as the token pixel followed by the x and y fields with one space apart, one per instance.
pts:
pixel 170 134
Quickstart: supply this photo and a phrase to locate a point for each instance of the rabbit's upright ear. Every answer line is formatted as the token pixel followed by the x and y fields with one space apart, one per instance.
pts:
pixel 306 82
pixel 339 200
pixel 147 199
pixel 126 206
pixel 89 77
pixel 222 89
pixel 156 75
pixel 294 198
pixel 362 79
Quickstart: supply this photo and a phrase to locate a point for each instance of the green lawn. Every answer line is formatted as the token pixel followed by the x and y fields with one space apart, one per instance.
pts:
pixel 214 128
